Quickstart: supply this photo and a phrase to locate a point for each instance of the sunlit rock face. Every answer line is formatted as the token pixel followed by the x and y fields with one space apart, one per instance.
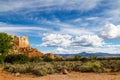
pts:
pixel 21 46
pixel 21 42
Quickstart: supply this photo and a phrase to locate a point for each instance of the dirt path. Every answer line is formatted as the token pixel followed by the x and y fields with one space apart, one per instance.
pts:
pixel 70 76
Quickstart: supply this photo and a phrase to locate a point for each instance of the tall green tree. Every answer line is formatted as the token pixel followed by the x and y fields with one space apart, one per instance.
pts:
pixel 5 43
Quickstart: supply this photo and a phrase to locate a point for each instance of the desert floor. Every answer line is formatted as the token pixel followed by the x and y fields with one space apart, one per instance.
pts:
pixel 70 76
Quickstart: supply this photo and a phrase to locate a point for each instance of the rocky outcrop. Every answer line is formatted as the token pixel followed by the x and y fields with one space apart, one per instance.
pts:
pixel 21 46
pixel 31 52
pixel 21 42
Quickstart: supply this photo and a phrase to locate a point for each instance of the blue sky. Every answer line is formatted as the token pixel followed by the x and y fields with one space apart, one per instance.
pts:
pixel 64 26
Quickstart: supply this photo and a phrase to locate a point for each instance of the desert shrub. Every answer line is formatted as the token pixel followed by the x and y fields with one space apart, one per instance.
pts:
pixel 84 59
pixel 69 65
pixel 92 58
pixel 58 59
pixel 47 59
pixel 21 68
pixel 46 68
pixel 9 68
pixel 16 58
pixel 59 66
pixel 5 43
pixel 107 70
pixel 77 57
pixel 77 67
pixel 50 70
pixel 40 72
pixel 43 68
pixel 35 59
pixel 91 67
pixel 114 65
pixel 2 59
pixel 116 68
pixel 69 59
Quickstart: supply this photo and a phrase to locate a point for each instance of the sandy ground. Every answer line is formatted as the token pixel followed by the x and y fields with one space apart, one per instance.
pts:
pixel 70 76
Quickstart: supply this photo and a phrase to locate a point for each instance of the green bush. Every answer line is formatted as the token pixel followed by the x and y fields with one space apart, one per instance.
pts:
pixel 91 67
pixel 47 59
pixel 50 70
pixel 41 72
pixel 77 57
pixel 114 65
pixel 46 68
pixel 16 58
pixel 5 43
pixel 36 59
pixel 21 68
pixel 2 59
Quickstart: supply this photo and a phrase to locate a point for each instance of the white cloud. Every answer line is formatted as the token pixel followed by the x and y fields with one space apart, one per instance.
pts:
pixel 60 50
pixel 68 28
pixel 22 29
pixel 111 11
pixel 56 40
pixel 12 5
pixel 114 49
pixel 88 40
pixel 92 18
pixel 110 31
pixel 59 40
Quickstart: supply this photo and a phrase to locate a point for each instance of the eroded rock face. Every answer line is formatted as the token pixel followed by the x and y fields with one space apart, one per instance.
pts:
pixel 21 46
pixel 21 42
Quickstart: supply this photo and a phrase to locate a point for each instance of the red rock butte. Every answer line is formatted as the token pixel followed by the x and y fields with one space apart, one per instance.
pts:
pixel 22 46
pixel 21 42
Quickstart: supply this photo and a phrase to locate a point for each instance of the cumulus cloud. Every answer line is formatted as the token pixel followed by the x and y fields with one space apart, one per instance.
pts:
pixel 88 40
pixel 56 40
pixel 110 31
pixel 11 5
pixel 59 40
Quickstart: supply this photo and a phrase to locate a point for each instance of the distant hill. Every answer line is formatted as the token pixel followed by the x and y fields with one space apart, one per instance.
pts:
pixel 85 54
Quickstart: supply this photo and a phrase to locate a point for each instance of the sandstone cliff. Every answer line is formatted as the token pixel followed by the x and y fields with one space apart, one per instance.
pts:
pixel 21 42
pixel 21 46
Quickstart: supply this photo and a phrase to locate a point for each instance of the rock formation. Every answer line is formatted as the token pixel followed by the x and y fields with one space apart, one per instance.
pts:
pixel 21 46
pixel 21 42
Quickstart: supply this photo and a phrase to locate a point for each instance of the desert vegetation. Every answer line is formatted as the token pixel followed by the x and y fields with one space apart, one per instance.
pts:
pixel 42 66
pixel 5 43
